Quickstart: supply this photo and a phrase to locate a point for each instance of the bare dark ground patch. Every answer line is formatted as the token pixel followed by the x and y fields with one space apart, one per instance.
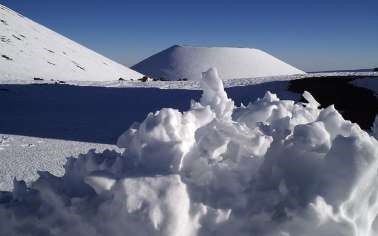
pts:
pixel 7 58
pixel 359 105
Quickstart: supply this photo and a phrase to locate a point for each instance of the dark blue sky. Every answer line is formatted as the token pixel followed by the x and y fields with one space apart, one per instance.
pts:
pixel 312 35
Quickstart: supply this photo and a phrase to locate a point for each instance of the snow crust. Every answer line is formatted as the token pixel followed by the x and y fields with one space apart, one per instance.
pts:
pixel 179 62
pixel 273 167
pixel 29 50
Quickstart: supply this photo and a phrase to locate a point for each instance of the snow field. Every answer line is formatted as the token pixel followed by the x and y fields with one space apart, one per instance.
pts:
pixel 273 167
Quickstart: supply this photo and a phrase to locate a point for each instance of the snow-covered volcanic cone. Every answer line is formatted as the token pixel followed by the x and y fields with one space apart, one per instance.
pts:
pixel 186 62
pixel 29 50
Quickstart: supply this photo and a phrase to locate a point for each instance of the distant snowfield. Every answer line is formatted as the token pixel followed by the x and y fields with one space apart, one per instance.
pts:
pixel 29 50
pixel 188 62
pixel 193 85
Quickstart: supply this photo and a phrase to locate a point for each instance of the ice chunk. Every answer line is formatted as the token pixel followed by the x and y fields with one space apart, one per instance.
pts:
pixel 310 99
pixel 215 96
pixel 100 183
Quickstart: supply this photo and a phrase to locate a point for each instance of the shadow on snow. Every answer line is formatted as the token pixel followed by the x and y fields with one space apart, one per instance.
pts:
pixel 99 114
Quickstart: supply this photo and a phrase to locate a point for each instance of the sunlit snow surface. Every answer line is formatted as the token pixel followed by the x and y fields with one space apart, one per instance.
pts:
pixel 29 50
pixel 195 85
pixel 188 62
pixel 274 167
pixel 22 156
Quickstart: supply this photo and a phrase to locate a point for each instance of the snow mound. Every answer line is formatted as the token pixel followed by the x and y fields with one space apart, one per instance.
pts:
pixel 28 50
pixel 273 167
pixel 185 62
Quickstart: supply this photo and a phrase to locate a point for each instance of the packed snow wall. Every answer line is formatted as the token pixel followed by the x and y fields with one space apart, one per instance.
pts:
pixel 273 167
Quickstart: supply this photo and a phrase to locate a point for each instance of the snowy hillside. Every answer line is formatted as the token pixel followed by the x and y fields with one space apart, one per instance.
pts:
pixel 29 50
pixel 179 62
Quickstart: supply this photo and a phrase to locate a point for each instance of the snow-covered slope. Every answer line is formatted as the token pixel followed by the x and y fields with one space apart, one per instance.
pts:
pixel 29 50
pixel 179 62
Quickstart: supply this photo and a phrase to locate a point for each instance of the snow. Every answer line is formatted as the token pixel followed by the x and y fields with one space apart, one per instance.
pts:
pixel 228 83
pixel 22 156
pixel 179 62
pixel 70 120
pixel 272 167
pixel 99 114
pixel 208 166
pixel 28 50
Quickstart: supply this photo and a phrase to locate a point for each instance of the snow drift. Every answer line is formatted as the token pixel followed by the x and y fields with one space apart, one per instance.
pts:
pixel 273 167
pixel 185 62
pixel 29 50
